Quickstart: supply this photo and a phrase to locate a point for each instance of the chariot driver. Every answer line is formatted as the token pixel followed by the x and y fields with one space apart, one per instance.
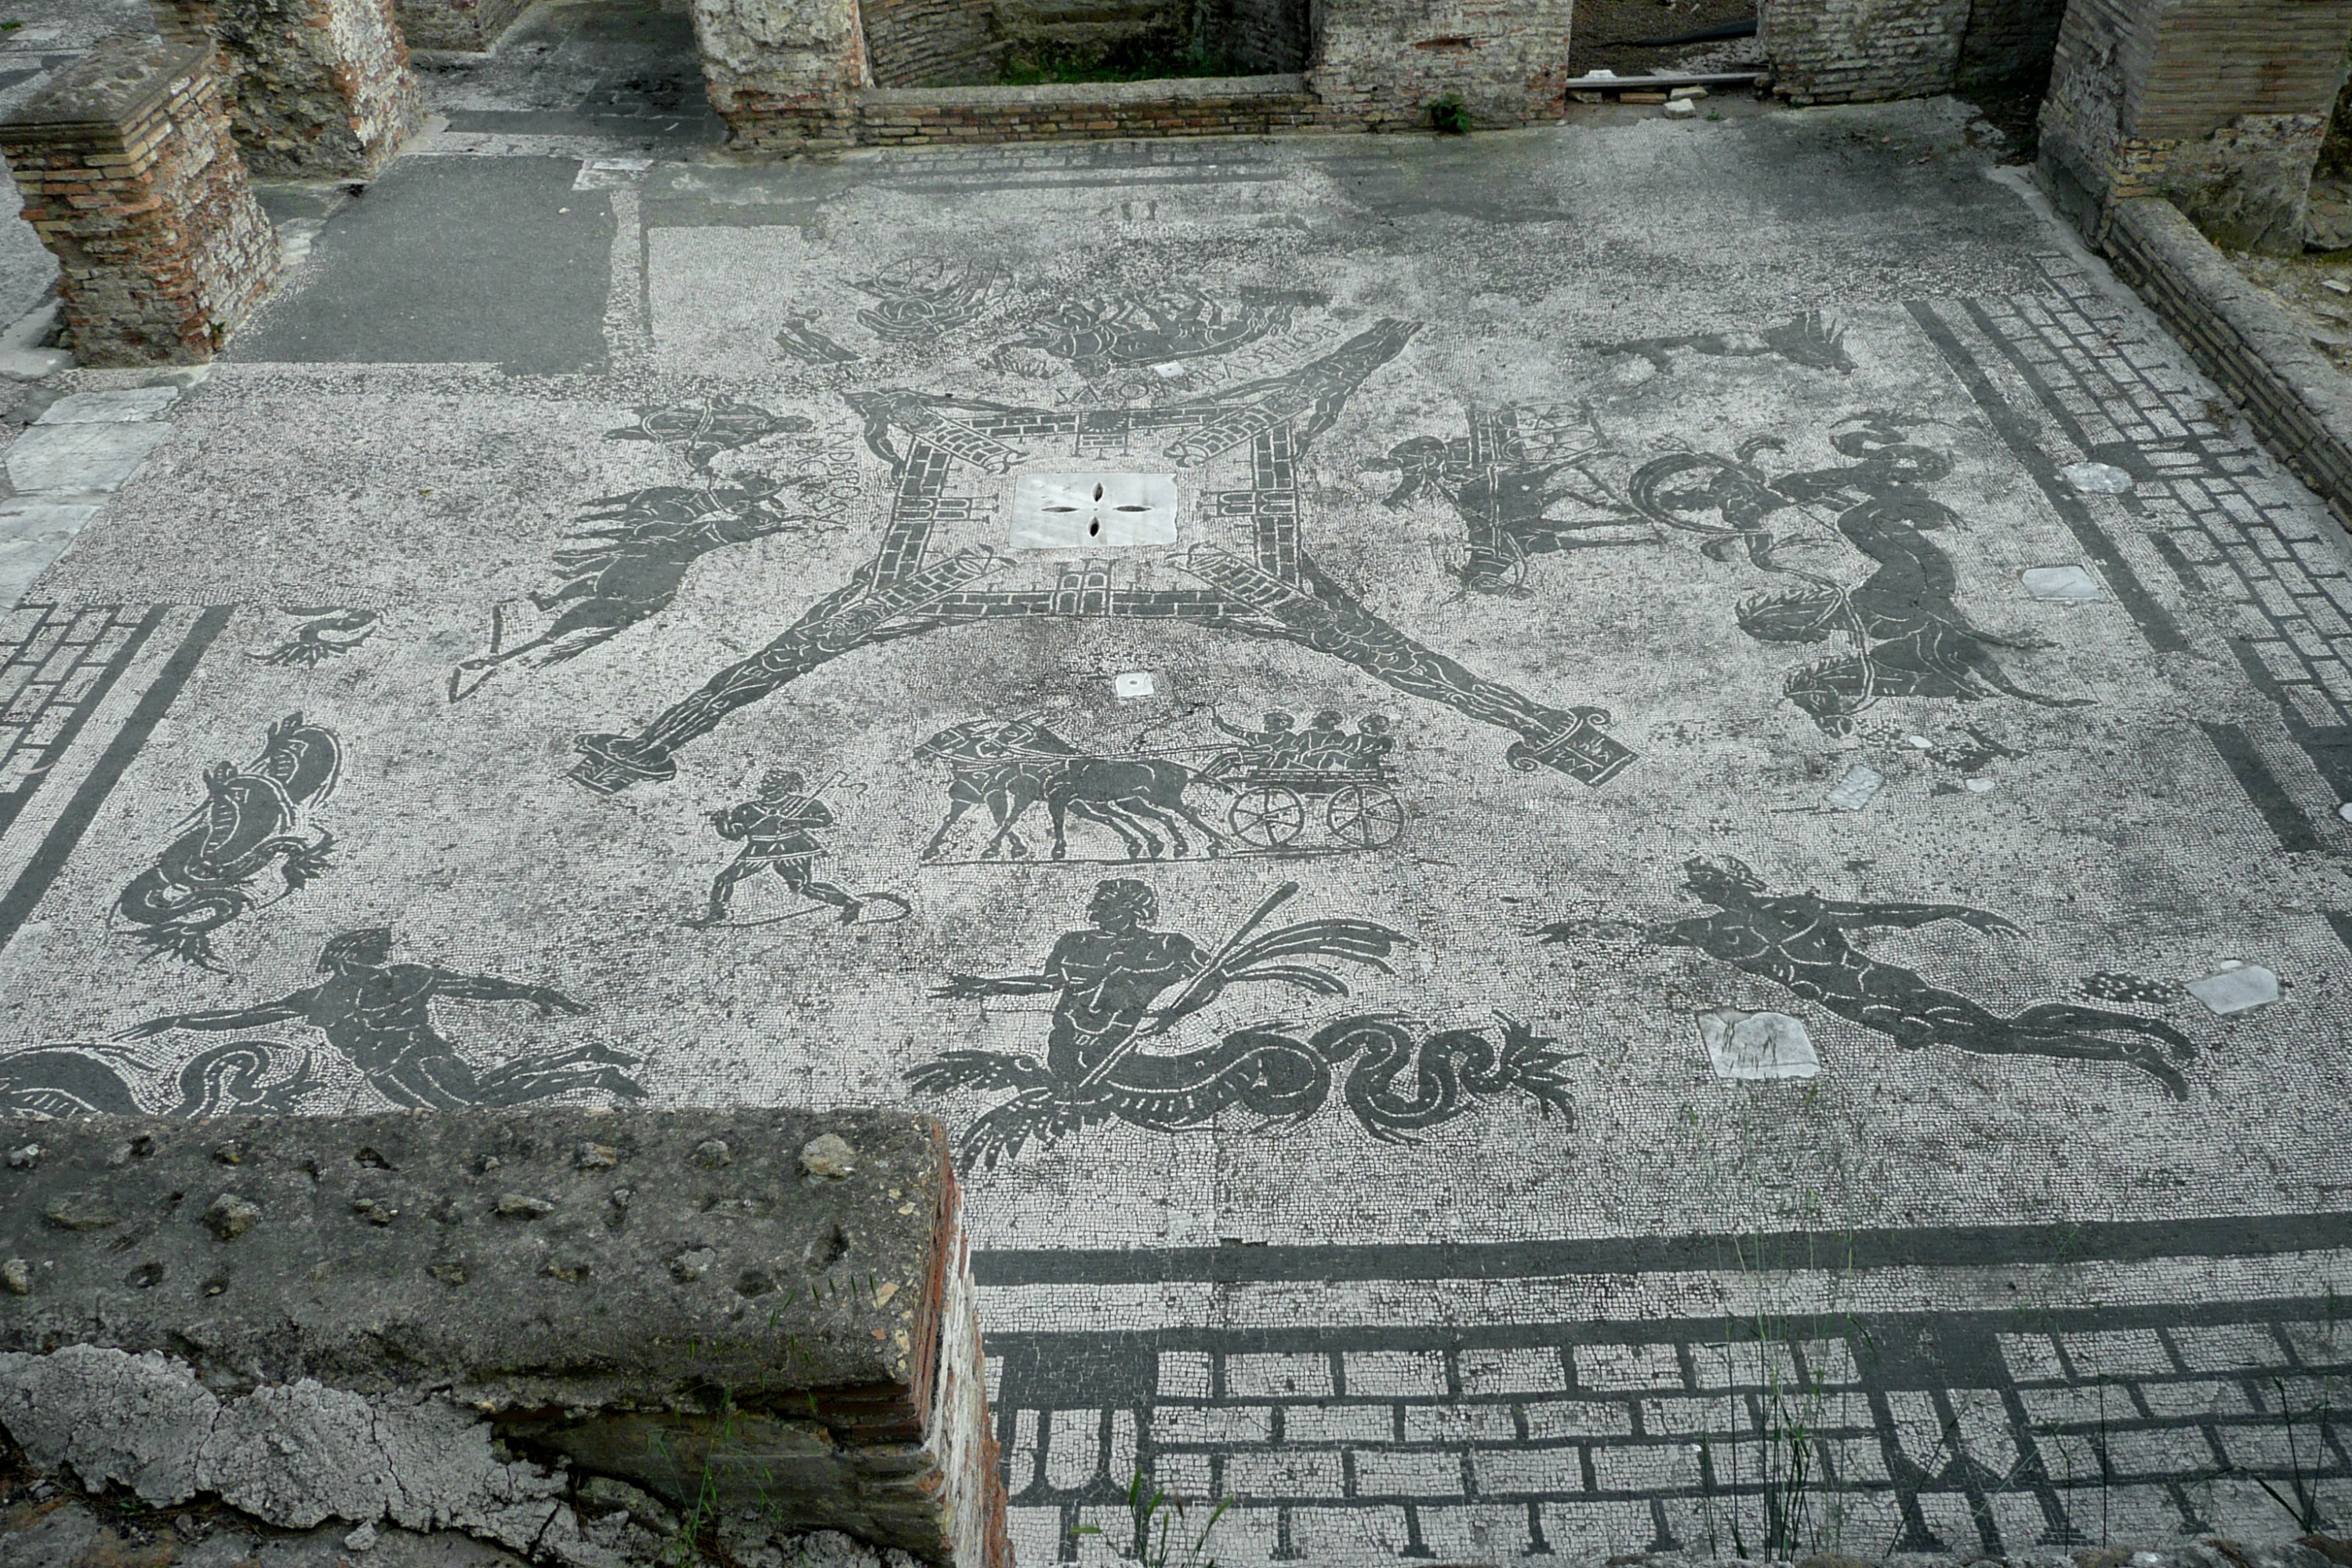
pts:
pixel 1108 978
pixel 777 827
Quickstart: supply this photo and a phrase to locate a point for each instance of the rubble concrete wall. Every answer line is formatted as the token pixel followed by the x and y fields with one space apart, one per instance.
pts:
pixel 782 72
pixel 2218 105
pixel 317 89
pixel 2009 44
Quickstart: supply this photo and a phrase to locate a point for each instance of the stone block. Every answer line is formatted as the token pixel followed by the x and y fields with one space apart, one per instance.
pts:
pixel 130 177
pixel 317 89
pixel 339 1318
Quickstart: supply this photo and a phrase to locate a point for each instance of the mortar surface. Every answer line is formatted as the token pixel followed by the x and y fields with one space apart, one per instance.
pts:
pixel 1731 748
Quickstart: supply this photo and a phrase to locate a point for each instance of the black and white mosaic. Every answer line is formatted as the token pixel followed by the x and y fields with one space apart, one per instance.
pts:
pixel 1567 883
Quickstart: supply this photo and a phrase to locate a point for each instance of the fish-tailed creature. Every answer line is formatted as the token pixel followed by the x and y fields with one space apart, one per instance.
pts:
pixel 1121 983
pixel 109 1079
pixel 1906 634
pixel 1811 340
pixel 254 818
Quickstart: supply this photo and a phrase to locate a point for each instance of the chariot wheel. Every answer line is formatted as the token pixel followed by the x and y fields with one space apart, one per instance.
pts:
pixel 1365 816
pixel 1267 816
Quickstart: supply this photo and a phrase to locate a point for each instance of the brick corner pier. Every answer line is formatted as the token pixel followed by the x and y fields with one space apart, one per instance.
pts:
pixel 543 1329
pixel 131 178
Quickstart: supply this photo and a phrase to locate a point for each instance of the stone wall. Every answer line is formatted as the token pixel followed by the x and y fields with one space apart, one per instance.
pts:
pixel 1837 51
pixel 317 89
pixel 461 25
pixel 2299 403
pixel 128 175
pixel 2220 105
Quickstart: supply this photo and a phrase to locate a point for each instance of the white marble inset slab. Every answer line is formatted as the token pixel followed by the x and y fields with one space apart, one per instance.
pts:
pixel 110 408
pixel 1753 1046
pixel 2236 988
pixel 1094 511
pixel 81 457
pixel 2062 584
pixel 1854 791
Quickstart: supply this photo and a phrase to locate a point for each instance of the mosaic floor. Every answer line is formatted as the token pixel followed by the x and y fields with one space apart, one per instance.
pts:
pixel 1615 836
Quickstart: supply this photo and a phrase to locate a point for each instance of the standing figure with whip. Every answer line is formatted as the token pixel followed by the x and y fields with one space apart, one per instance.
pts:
pixel 778 830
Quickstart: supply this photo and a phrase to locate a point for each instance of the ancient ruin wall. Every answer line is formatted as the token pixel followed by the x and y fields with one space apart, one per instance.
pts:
pixel 316 88
pixel 930 43
pixel 2009 45
pixel 1838 51
pixel 1378 64
pixel 2220 105
pixel 463 26
pixel 1268 36
pixel 130 177
pixel 783 73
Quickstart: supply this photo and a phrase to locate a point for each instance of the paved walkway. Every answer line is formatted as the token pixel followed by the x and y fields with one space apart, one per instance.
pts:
pixel 1469 771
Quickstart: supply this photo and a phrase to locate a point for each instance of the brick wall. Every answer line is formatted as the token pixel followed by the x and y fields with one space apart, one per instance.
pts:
pixel 2009 45
pixel 1378 64
pixel 2219 104
pixel 468 26
pixel 2300 403
pixel 1838 51
pixel 930 43
pixel 131 178
pixel 1255 35
pixel 317 89
pixel 1230 106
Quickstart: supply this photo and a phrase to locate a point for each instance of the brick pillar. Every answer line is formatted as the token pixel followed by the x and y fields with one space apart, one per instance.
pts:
pixel 783 73
pixel 129 176
pixel 318 89
pixel 2220 105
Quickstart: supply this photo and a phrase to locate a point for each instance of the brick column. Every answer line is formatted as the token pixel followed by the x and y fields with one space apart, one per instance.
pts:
pixel 783 73
pixel 128 175
pixel 318 89
pixel 2220 105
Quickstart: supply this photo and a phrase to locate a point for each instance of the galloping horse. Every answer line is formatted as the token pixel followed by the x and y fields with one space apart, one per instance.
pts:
pixel 1010 764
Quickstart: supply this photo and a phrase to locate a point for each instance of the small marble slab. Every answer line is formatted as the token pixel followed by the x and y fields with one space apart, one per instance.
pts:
pixel 2062 584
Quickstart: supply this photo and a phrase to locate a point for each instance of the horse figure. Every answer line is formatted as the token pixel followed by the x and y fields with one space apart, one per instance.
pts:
pixel 628 569
pixel 1506 494
pixel 252 817
pixel 1010 765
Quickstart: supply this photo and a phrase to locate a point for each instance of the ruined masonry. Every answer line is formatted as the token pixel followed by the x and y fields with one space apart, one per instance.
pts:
pixel 128 173
pixel 316 1318
pixel 2221 107
pixel 318 89
pixel 789 74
